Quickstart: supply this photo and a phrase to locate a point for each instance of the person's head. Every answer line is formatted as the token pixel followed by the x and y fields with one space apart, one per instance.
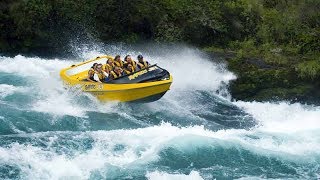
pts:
pixel 117 69
pixel 99 67
pixel 128 58
pixel 94 66
pixel 117 58
pixel 140 58
pixel 129 66
pixel 110 61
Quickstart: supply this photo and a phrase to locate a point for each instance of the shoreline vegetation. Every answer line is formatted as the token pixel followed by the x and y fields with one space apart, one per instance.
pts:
pixel 273 46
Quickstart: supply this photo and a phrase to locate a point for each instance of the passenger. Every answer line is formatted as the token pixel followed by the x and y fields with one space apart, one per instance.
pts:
pixel 118 62
pixel 108 67
pixel 128 69
pixel 128 60
pixel 100 76
pixel 117 72
pixel 142 63
pixel 91 72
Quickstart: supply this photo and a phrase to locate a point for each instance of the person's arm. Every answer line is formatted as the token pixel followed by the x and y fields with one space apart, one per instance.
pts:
pixel 111 76
pixel 88 77
pixel 96 77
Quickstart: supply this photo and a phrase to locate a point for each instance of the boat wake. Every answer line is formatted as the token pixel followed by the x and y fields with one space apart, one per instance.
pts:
pixel 194 132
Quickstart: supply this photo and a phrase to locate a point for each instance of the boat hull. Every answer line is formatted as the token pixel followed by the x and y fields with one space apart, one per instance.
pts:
pixel 128 92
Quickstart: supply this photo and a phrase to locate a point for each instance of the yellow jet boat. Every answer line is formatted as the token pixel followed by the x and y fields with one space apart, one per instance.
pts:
pixel 145 85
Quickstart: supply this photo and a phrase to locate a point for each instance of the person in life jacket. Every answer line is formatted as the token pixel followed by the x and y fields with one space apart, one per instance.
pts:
pixel 142 63
pixel 100 76
pixel 117 72
pixel 128 60
pixel 91 73
pixel 117 61
pixel 128 69
pixel 108 66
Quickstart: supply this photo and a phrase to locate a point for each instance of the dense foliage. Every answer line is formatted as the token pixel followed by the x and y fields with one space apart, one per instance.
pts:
pixel 283 33
pixel 292 26
pixel 50 23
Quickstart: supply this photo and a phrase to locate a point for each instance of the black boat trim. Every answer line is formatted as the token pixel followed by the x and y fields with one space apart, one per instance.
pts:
pixel 153 73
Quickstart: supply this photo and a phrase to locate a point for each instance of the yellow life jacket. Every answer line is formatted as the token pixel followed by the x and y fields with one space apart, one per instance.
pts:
pixel 101 76
pixel 108 67
pixel 142 65
pixel 91 72
pixel 129 71
pixel 119 64
pixel 134 65
pixel 114 75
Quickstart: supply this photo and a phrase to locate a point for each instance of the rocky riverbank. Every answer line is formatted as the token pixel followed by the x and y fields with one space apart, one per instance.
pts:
pixel 258 80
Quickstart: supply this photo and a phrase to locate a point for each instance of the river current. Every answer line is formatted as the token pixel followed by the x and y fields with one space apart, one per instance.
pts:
pixel 196 131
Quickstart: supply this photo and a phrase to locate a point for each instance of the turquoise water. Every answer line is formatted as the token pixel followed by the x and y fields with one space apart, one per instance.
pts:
pixel 194 132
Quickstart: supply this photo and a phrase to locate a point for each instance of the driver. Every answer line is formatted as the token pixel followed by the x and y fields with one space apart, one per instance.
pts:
pixel 142 63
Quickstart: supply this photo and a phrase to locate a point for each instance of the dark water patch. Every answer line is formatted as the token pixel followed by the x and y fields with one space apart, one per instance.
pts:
pixel 22 120
pixel 225 160
pixel 59 143
pixel 115 172
pixel 13 79
pixel 202 108
pixel 19 100
pixel 9 171
pixel 195 108
pixel 153 116
pixel 222 112
pixel 112 121
pixel 15 120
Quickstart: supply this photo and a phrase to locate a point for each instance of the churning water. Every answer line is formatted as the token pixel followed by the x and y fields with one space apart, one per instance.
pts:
pixel 194 132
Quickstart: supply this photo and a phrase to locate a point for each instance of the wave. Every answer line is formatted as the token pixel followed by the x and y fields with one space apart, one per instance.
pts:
pixel 7 90
pixel 106 153
pixel 283 117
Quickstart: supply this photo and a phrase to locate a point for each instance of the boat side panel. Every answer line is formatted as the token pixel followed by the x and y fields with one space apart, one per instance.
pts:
pixel 131 94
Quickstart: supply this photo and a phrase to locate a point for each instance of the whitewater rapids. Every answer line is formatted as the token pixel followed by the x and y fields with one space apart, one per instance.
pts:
pixel 194 132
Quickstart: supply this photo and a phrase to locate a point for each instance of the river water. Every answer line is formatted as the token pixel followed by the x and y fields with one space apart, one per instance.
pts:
pixel 196 131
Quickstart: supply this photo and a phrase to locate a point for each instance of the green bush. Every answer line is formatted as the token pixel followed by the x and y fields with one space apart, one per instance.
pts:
pixel 309 69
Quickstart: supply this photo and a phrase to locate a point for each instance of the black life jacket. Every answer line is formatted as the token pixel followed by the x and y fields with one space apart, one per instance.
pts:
pixel 143 65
